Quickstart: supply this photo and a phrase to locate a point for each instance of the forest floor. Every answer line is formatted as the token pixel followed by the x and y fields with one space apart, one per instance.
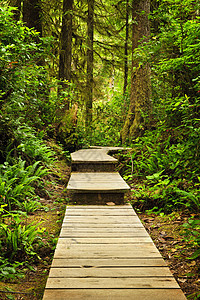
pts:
pixel 167 234
pixel 165 230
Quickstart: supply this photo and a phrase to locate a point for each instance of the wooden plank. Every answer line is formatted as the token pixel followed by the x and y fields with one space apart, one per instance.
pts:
pixel 99 230
pixel 114 294
pixel 99 251
pixel 103 219
pixel 104 207
pixel 116 272
pixel 102 233
pixel 109 262
pixel 97 225
pixel 101 212
pixel 94 176
pixel 110 240
pixel 110 149
pixel 111 283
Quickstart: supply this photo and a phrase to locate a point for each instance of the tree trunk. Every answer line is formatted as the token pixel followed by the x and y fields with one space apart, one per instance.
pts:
pixel 32 14
pixel 140 105
pixel 126 50
pixel 89 83
pixel 18 5
pixel 66 46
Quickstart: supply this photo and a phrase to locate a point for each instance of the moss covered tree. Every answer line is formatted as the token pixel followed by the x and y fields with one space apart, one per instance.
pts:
pixel 140 106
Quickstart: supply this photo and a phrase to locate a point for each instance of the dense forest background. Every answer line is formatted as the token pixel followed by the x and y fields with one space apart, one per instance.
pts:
pixel 80 73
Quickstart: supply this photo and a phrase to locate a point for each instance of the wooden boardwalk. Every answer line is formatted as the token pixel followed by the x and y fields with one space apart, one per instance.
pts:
pixel 104 252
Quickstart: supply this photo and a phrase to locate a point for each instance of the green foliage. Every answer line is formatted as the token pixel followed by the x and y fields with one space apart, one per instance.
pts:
pixel 17 239
pixel 66 133
pixel 159 158
pixel 10 271
pixel 31 146
pixel 17 182
pixel 25 100
pixel 166 158
pixel 29 206
pixel 192 236
pixel 107 123
pixel 175 48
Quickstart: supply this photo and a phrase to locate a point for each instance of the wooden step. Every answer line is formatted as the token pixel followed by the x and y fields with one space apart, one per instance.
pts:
pixel 97 182
pixel 93 160
pixel 97 188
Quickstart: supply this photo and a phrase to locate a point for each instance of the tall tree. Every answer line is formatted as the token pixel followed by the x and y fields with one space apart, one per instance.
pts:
pixel 32 14
pixel 65 58
pixel 126 49
pixel 140 105
pixel 18 5
pixel 90 62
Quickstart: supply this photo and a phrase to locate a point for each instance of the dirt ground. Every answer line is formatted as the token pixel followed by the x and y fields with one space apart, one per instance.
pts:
pixel 167 234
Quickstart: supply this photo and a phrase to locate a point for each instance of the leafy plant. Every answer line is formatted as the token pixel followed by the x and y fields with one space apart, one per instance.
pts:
pixel 10 271
pixel 192 236
pixel 32 146
pixel 18 240
pixel 29 206
pixel 17 182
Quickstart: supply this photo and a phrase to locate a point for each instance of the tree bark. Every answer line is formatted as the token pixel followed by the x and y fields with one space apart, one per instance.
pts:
pixel 90 62
pixel 140 104
pixel 32 14
pixel 18 5
pixel 65 58
pixel 126 50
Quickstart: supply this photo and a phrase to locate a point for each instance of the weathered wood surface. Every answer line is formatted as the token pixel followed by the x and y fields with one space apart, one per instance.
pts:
pixel 111 149
pixel 95 159
pixel 104 263
pixel 92 155
pixel 104 240
pixel 116 272
pixel 112 283
pixel 114 294
pixel 99 207
pixel 99 232
pixel 106 251
pixel 97 182
pixel 103 219
pixel 94 180
pixel 107 254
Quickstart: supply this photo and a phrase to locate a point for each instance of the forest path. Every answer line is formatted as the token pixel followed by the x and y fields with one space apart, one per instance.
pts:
pixel 103 251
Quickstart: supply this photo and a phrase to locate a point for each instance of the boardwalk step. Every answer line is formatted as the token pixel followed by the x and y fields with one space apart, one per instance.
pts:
pixel 99 188
pixel 97 182
pixel 90 160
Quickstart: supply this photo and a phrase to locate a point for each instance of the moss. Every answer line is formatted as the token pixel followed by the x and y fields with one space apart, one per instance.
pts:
pixel 66 132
